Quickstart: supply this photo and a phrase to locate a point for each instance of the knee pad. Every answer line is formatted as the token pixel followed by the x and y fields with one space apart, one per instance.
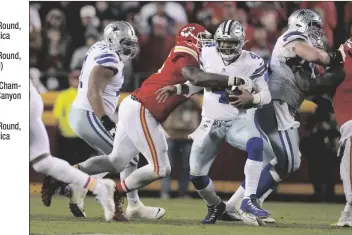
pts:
pixel 199 182
pixel 42 164
pixel 164 171
pixel 254 149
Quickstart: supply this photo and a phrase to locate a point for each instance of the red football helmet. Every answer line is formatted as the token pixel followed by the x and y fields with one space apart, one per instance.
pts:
pixel 195 34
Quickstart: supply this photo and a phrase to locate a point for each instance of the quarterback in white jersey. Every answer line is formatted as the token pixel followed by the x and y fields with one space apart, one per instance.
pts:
pixel 91 115
pixel 43 162
pixel 225 120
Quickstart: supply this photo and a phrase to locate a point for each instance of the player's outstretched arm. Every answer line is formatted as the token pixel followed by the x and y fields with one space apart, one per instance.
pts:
pixel 210 80
pixel 315 55
pixel 99 79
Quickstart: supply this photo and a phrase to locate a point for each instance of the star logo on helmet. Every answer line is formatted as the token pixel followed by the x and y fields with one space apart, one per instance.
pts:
pixel 115 28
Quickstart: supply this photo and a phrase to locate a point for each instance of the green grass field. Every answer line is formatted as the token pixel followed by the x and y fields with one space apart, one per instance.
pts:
pixel 182 218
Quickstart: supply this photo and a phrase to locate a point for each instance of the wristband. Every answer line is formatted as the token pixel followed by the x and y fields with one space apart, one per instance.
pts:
pixel 178 89
pixel 256 99
pixel 232 80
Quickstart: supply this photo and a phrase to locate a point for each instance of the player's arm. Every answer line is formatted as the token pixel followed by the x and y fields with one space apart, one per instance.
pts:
pixel 198 77
pixel 315 55
pixel 326 82
pixel 98 80
pixel 262 94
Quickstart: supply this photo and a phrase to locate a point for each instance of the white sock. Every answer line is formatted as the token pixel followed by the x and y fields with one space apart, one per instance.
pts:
pixel 132 197
pixel 141 177
pixel 348 208
pixel 209 194
pixel 252 171
pixel 63 171
pixel 236 198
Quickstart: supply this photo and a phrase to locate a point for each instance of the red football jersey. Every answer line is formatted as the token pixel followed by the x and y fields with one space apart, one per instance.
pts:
pixel 182 54
pixel 343 96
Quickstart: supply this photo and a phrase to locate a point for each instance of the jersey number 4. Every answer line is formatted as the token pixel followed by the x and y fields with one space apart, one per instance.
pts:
pixel 223 97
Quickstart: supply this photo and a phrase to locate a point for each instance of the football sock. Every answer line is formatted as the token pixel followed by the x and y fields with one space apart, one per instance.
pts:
pixel 132 197
pixel 97 165
pixel 348 208
pixel 139 178
pixel 63 171
pixel 253 166
pixel 205 188
pixel 236 198
pixel 269 180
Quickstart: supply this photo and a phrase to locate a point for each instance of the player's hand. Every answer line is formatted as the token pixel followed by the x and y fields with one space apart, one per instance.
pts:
pixel 244 100
pixel 165 92
pixel 109 125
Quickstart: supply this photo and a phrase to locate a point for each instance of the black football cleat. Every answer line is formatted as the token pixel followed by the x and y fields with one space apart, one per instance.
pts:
pixel 214 212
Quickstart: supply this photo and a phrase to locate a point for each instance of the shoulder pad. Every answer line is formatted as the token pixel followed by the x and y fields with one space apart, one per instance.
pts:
pixel 293 35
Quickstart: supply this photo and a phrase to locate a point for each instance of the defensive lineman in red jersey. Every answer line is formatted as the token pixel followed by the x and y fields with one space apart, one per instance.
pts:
pixel 342 103
pixel 185 53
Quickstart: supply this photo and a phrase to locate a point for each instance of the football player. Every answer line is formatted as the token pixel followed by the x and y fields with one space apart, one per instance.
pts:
pixel 90 117
pixel 221 121
pixel 43 162
pixel 140 115
pixel 291 70
pixel 342 102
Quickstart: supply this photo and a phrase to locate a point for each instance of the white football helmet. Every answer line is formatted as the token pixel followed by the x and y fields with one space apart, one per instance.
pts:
pixel 230 39
pixel 121 37
pixel 308 22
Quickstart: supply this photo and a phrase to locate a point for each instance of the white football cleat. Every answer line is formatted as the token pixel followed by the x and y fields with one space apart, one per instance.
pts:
pixel 104 193
pixel 76 196
pixel 269 220
pixel 345 220
pixel 144 212
pixel 252 220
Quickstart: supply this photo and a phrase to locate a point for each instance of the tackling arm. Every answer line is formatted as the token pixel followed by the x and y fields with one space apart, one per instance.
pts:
pixel 198 77
pixel 314 55
pixel 99 79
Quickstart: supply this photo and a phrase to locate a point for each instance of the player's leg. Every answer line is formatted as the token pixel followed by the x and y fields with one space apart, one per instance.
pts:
pixel 203 153
pixel 44 163
pixel 244 135
pixel 345 219
pixel 147 136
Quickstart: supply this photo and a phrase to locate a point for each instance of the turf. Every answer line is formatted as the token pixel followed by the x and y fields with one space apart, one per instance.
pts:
pixel 182 218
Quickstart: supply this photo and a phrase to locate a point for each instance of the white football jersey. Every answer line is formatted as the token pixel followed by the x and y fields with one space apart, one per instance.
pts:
pixel 248 66
pixel 36 102
pixel 100 54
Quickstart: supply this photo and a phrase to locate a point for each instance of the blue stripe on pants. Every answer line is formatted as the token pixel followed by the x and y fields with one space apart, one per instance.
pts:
pixel 101 127
pixel 291 151
pixel 286 154
pixel 96 131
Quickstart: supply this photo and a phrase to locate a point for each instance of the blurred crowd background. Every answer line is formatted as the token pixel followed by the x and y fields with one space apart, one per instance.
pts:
pixel 62 32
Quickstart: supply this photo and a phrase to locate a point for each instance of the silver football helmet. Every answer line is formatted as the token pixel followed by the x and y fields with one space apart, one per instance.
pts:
pixel 230 39
pixel 121 37
pixel 308 22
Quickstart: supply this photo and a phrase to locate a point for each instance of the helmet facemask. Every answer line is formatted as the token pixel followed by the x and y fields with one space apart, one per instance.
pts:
pixel 129 47
pixel 229 48
pixel 315 33
pixel 203 39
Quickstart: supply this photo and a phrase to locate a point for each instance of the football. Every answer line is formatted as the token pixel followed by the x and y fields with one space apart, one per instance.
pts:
pixel 233 91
